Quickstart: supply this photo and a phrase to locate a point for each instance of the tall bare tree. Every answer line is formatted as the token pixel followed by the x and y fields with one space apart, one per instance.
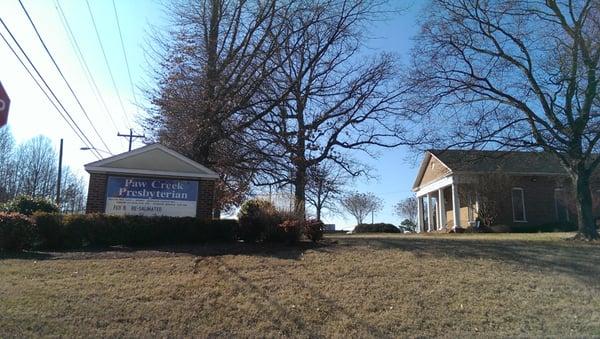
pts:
pixel 73 192
pixel 513 74
pixel 214 67
pixel 325 186
pixel 37 168
pixel 340 99
pixel 7 145
pixel 407 208
pixel 360 205
pixel 31 169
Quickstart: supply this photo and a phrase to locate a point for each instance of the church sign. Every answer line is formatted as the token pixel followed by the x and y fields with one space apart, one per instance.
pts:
pixel 145 196
pixel 152 181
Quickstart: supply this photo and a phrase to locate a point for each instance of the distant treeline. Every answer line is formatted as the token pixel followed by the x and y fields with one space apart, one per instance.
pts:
pixel 31 169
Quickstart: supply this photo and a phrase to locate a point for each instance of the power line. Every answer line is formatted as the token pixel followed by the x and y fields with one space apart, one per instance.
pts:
pixel 72 122
pixel 63 76
pixel 39 85
pixel 112 78
pixel 74 127
pixel 125 55
pixel 83 63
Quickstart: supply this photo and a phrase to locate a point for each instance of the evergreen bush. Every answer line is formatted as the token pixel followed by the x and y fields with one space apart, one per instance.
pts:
pixel 376 228
pixel 28 205
pixel 17 232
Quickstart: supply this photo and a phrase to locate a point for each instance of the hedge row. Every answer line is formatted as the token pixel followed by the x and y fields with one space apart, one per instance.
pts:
pixel 57 231
pixel 376 228
pixel 53 231
pixel 17 232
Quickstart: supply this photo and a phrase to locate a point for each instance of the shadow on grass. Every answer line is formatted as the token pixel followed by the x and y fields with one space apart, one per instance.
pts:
pixel 277 310
pixel 281 251
pixel 581 261
pixel 578 260
pixel 26 255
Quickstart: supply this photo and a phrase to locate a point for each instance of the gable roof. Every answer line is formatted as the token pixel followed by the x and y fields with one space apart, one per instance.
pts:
pixel 510 162
pixel 153 159
pixel 500 161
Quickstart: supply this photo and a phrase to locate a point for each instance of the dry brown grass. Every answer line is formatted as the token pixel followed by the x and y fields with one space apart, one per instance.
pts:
pixel 367 286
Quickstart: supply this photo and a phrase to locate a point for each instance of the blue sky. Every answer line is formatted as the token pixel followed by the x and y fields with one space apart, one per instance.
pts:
pixel 31 113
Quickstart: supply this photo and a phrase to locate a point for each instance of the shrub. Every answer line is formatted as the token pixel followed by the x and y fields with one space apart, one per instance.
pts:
pixel 376 228
pixel 50 230
pixel 257 218
pixel 313 229
pixel 408 225
pixel 17 232
pixel 224 230
pixel 289 231
pixel 27 205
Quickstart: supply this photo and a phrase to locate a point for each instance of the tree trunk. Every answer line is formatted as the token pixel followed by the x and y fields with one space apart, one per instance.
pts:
pixel 585 218
pixel 319 200
pixel 205 139
pixel 318 208
pixel 300 192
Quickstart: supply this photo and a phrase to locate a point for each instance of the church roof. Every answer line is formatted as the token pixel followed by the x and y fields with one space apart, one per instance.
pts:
pixel 154 160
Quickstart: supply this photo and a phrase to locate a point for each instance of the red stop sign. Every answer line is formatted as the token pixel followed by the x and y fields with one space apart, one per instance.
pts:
pixel 4 104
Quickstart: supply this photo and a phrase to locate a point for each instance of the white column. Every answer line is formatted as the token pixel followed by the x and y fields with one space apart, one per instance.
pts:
pixel 420 214
pixel 442 208
pixel 429 213
pixel 455 205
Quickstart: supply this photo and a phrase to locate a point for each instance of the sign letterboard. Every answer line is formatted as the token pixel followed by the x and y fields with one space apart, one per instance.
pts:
pixel 151 197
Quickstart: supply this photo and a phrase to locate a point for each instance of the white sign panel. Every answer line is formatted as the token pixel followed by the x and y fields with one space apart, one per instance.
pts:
pixel 151 197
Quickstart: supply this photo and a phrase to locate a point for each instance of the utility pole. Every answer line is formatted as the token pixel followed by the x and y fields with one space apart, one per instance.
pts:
pixel 131 136
pixel 60 156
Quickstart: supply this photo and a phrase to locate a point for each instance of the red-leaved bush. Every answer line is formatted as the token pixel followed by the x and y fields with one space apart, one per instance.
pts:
pixel 313 229
pixel 289 231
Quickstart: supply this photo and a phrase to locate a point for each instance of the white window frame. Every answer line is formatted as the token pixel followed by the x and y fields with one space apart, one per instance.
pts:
pixel 559 189
pixel 522 201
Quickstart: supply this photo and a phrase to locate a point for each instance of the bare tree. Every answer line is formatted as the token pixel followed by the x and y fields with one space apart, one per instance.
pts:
pixel 7 176
pixel 215 65
pixel 325 186
pixel 31 169
pixel 407 208
pixel 513 74
pixel 37 168
pixel 360 205
pixel 340 98
pixel 73 192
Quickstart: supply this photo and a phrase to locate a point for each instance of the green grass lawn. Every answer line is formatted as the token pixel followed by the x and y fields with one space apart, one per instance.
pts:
pixel 356 285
